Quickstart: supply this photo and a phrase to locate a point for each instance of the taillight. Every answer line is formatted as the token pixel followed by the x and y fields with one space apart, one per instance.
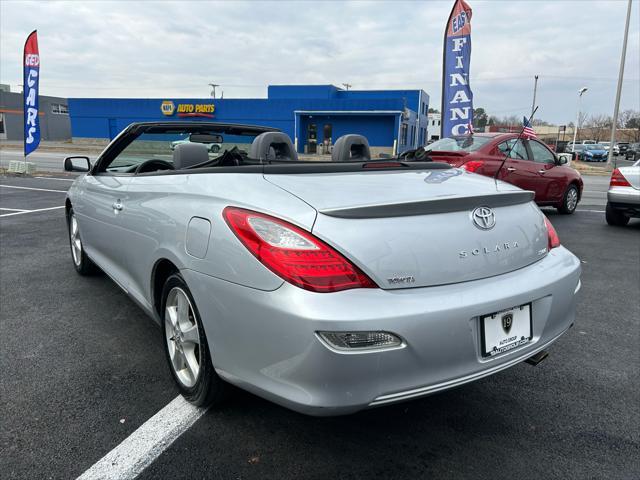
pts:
pixel 618 180
pixel 554 239
pixel 473 165
pixel 293 253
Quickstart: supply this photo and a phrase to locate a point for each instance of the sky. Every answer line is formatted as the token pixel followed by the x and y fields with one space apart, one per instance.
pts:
pixel 163 49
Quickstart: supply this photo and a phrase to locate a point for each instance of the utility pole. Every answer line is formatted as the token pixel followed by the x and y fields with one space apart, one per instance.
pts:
pixel 575 128
pixel 347 86
pixel 620 75
pixel 535 89
pixel 213 91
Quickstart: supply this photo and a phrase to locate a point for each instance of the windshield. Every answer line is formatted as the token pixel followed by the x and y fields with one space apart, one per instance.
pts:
pixel 467 143
pixel 594 147
pixel 161 146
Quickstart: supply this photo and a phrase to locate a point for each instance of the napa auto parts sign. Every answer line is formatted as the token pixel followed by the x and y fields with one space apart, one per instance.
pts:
pixel 457 98
pixel 169 108
pixel 31 63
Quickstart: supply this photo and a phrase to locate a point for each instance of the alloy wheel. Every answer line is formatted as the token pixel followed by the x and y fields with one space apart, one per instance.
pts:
pixel 572 199
pixel 182 337
pixel 76 242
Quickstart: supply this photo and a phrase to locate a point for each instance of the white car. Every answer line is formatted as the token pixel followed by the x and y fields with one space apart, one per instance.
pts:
pixel 607 147
pixel 623 197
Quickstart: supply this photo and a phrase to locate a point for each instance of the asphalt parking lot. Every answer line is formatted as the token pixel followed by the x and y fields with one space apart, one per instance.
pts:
pixel 83 367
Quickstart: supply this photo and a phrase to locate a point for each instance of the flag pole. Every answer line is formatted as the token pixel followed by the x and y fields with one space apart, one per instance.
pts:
pixel 619 91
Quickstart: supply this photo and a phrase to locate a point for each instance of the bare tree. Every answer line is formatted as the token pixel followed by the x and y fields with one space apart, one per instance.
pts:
pixel 598 127
pixel 629 125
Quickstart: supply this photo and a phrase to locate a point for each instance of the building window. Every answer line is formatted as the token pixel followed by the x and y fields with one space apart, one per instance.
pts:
pixel 59 109
pixel 403 134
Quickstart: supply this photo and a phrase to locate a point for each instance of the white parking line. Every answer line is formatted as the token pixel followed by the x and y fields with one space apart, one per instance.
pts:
pixel 590 211
pixel 31 188
pixel 14 209
pixel 28 211
pixel 143 446
pixel 59 179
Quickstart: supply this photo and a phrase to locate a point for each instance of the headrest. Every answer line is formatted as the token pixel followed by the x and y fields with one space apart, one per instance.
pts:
pixel 189 154
pixel 273 146
pixel 351 148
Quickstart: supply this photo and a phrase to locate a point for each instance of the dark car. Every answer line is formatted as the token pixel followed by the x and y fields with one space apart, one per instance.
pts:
pixel 622 147
pixel 529 164
pixel 633 152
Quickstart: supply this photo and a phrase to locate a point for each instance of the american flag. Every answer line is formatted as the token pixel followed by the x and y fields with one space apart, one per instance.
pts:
pixel 528 129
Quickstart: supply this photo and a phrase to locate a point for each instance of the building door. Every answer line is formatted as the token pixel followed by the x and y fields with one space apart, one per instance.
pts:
pixel 326 134
pixel 113 128
pixel 3 131
pixel 312 138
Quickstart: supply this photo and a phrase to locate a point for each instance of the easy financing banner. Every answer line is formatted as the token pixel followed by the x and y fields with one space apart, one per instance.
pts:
pixel 457 98
pixel 31 64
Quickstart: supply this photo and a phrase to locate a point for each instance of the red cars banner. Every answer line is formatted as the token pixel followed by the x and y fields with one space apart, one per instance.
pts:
pixel 457 98
pixel 31 76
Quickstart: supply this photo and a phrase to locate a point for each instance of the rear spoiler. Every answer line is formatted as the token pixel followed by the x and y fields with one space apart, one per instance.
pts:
pixel 427 207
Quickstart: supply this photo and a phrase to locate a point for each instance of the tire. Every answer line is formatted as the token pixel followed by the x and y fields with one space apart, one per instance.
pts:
pixel 185 342
pixel 615 217
pixel 81 262
pixel 569 200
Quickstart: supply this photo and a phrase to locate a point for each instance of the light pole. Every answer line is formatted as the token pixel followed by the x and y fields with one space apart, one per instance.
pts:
pixel 575 129
pixel 619 91
pixel 213 89
pixel 347 86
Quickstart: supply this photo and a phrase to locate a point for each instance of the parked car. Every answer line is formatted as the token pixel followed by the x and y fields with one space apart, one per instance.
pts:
pixel 529 165
pixel 324 286
pixel 593 153
pixel 633 152
pixel 213 147
pixel 623 197
pixel 607 147
pixel 576 150
pixel 622 147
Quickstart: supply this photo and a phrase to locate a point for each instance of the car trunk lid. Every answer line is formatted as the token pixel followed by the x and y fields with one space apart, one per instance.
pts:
pixel 416 228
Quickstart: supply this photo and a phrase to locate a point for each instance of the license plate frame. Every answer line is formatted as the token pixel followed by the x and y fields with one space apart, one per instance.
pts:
pixel 490 347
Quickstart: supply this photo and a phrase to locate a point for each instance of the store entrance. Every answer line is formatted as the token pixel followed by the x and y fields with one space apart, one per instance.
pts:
pixel 312 138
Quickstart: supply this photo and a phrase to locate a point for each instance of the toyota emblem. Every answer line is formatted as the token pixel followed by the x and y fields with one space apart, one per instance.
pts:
pixel 483 218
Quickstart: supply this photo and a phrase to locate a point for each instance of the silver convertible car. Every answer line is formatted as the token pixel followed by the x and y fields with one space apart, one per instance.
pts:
pixel 324 286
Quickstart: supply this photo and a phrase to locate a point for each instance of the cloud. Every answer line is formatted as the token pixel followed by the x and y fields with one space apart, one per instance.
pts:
pixel 174 49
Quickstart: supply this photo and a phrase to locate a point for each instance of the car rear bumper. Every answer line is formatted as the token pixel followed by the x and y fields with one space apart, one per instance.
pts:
pixel 624 196
pixel 266 342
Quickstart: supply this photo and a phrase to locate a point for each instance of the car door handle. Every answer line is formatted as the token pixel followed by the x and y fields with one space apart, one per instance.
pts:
pixel 542 171
pixel 511 169
pixel 117 205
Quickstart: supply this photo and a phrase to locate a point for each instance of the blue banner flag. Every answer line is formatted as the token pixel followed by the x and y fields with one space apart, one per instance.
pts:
pixel 31 77
pixel 457 98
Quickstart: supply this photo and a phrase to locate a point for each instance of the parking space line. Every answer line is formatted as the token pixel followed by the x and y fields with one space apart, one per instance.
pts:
pixel 31 188
pixel 14 209
pixel 590 211
pixel 59 179
pixel 23 212
pixel 142 447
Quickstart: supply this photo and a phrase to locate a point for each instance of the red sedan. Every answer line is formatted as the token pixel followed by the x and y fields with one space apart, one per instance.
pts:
pixel 530 165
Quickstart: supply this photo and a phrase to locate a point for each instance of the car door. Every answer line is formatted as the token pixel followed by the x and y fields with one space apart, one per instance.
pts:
pixel 552 179
pixel 518 169
pixel 155 221
pixel 99 210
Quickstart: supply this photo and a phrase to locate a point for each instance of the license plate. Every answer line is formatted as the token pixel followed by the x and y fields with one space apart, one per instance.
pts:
pixel 505 330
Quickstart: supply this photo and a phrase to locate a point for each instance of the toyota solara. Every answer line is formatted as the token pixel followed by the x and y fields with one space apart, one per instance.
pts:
pixel 324 286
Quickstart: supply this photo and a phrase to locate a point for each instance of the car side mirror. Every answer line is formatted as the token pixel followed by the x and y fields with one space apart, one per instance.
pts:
pixel 561 159
pixel 77 164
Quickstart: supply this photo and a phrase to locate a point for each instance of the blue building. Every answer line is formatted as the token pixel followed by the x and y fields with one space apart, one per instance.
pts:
pixel 312 115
